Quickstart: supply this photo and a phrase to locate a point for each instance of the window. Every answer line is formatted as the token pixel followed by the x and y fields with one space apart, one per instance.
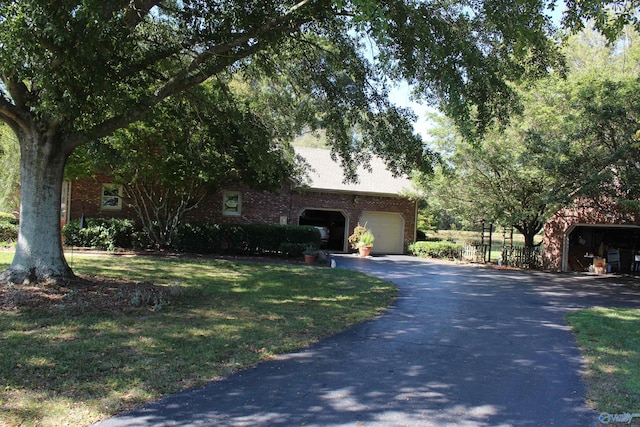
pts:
pixel 231 203
pixel 111 198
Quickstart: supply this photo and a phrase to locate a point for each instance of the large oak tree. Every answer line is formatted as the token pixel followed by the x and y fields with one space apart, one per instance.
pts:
pixel 75 71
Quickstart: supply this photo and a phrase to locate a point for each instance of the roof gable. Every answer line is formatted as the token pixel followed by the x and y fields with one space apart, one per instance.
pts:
pixel 326 174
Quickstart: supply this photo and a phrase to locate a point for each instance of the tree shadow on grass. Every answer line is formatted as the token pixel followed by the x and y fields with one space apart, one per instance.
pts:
pixel 462 346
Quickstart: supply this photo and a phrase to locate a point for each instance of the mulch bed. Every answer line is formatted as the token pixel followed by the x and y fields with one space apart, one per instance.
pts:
pixel 85 294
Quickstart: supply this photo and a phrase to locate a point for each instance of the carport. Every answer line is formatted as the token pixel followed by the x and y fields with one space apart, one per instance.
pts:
pixel 583 241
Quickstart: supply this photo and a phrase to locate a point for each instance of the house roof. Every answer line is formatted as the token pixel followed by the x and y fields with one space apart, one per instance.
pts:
pixel 326 174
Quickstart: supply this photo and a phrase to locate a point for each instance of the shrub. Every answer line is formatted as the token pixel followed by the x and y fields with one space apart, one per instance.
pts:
pixel 201 238
pixel 245 239
pixel 8 232
pixel 101 233
pixel 446 250
pixel 8 218
pixel 8 227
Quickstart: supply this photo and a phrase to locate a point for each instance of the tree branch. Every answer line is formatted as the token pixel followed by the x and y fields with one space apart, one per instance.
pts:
pixel 10 113
pixel 197 71
pixel 137 11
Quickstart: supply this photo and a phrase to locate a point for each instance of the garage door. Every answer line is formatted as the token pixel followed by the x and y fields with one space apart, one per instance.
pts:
pixel 388 227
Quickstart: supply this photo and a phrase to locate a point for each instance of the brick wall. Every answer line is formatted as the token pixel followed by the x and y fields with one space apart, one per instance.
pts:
pixel 86 197
pixel 354 205
pixel 556 228
pixel 257 206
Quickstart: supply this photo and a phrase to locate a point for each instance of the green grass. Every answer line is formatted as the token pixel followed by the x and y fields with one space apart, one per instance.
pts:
pixel 63 368
pixel 610 342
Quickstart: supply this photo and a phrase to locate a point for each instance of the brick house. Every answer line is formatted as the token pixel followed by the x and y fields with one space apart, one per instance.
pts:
pixel 326 201
pixel 574 235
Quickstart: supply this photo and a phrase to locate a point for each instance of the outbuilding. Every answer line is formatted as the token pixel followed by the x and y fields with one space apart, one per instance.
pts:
pixel 576 236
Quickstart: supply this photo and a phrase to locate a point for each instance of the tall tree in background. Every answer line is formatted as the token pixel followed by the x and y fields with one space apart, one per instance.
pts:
pixel 577 138
pixel 74 72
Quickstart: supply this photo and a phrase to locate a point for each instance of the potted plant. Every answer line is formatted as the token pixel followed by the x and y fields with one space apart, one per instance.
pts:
pixel 366 243
pixel 310 254
pixel 362 240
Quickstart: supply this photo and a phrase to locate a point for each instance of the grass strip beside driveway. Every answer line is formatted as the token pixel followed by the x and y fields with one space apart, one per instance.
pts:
pixel 610 341
pixel 75 367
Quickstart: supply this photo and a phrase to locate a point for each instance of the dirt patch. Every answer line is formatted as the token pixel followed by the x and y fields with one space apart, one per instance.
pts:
pixel 87 294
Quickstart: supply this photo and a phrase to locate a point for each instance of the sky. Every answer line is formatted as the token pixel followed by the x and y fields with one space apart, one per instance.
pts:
pixel 401 96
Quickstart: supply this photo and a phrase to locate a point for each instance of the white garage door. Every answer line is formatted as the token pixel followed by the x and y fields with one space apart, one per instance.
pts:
pixel 388 227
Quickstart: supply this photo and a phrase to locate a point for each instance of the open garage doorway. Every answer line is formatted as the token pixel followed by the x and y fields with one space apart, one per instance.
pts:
pixel 334 223
pixel 613 242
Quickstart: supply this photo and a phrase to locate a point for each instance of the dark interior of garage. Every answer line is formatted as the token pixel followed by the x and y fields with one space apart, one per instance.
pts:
pixel 333 221
pixel 620 246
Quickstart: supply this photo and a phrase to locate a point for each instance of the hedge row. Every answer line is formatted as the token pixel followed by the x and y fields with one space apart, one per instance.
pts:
pixel 441 249
pixel 204 238
pixel 246 239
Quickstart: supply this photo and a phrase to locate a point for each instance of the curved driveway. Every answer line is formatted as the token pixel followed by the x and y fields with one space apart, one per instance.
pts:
pixel 462 346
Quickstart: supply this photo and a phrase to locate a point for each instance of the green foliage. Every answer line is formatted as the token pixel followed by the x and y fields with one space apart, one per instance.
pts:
pixel 361 237
pixel 76 72
pixel 440 249
pixel 366 239
pixel 9 170
pixel 609 17
pixel 295 250
pixel 583 128
pixel 8 218
pixel 99 67
pixel 247 239
pixel 8 227
pixel 184 150
pixel 8 232
pixel 354 238
pixel 101 233
pixel 317 139
pixel 574 138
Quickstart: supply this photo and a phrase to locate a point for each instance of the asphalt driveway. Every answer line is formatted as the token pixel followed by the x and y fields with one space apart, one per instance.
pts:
pixel 462 346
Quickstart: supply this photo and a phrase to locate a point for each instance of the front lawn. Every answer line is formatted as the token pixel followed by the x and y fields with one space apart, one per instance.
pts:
pixel 610 342
pixel 74 355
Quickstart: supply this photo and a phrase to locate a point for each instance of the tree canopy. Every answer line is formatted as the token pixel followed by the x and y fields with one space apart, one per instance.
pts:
pixel 577 138
pixel 93 67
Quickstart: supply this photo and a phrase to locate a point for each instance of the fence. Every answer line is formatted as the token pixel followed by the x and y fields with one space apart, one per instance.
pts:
pixel 522 257
pixel 476 253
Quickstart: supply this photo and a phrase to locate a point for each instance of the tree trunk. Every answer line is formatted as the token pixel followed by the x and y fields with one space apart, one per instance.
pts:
pixel 529 240
pixel 529 230
pixel 39 256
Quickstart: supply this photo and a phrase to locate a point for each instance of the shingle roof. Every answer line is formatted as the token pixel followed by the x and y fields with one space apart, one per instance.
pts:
pixel 326 174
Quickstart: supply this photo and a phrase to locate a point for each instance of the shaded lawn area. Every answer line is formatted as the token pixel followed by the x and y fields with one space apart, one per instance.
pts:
pixel 75 355
pixel 610 341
